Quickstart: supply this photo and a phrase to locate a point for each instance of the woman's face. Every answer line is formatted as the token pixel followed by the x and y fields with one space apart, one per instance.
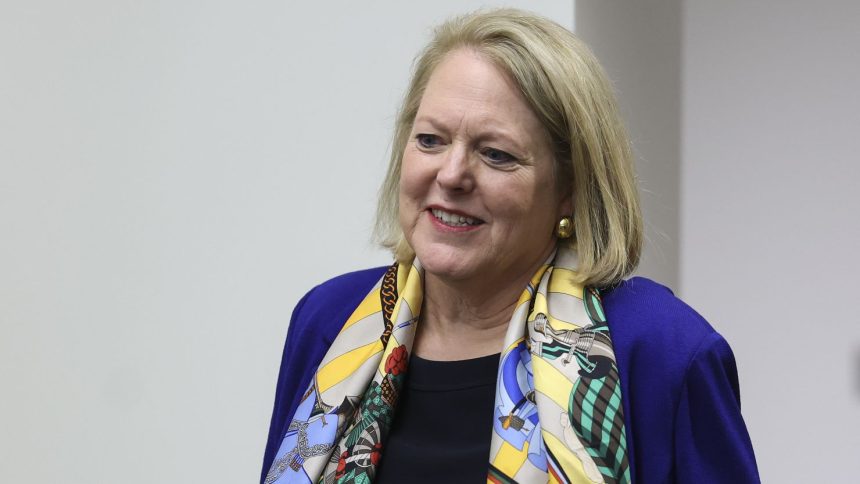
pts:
pixel 478 201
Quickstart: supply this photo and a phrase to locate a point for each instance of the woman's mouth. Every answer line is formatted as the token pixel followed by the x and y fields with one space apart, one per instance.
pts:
pixel 454 219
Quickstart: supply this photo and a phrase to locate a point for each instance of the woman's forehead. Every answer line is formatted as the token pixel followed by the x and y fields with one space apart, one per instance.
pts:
pixel 467 90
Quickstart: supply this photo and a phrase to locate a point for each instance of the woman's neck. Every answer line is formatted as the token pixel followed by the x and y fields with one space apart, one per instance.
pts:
pixel 467 319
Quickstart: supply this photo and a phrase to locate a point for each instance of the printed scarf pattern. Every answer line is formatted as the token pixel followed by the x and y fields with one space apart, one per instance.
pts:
pixel 558 413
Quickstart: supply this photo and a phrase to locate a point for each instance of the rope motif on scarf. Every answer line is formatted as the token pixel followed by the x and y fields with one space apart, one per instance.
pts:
pixel 388 299
pixel 558 413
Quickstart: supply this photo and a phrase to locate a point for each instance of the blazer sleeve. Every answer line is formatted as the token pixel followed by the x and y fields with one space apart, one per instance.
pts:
pixel 711 440
pixel 289 386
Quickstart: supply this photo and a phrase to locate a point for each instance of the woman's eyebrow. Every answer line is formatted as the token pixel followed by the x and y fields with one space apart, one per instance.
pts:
pixel 431 120
pixel 487 131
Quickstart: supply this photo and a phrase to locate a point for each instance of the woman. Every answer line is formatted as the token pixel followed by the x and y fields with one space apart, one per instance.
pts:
pixel 504 344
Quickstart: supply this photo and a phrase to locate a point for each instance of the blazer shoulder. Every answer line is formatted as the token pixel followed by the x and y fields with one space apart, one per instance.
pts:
pixel 679 387
pixel 345 285
pixel 326 306
pixel 647 316
pixel 655 308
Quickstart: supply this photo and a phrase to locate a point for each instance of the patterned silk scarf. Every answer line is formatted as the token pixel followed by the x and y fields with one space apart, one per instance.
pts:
pixel 558 414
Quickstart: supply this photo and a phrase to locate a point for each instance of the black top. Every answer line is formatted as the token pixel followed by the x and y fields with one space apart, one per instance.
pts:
pixel 443 423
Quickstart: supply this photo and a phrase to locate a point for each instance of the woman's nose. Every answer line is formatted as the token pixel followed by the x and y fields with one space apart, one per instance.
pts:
pixel 455 174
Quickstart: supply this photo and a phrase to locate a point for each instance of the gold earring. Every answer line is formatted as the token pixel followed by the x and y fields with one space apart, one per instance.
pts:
pixel 565 228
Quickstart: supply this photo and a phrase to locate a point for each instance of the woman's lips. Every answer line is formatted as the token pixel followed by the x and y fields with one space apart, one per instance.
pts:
pixel 451 221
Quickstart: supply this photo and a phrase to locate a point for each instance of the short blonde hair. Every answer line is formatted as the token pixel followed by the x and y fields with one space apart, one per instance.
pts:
pixel 567 89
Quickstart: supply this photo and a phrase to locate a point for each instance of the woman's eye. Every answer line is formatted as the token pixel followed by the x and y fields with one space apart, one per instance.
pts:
pixel 428 140
pixel 498 157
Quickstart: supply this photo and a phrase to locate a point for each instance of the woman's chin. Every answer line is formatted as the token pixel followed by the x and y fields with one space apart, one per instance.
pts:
pixel 448 265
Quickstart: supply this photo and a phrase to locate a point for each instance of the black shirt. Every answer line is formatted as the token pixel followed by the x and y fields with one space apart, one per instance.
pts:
pixel 443 423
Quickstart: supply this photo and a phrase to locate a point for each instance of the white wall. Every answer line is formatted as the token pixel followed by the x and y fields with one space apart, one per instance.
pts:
pixel 769 228
pixel 173 177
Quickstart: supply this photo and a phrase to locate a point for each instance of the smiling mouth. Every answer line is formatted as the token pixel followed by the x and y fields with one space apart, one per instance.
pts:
pixel 455 220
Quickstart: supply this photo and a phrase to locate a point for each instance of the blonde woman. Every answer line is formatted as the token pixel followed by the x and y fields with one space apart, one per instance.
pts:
pixel 504 344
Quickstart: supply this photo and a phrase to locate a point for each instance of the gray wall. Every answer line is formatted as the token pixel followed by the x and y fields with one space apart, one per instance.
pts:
pixel 769 227
pixel 173 177
pixel 745 120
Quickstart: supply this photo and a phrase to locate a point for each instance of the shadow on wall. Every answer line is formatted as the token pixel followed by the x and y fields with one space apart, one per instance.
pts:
pixel 639 44
pixel 857 371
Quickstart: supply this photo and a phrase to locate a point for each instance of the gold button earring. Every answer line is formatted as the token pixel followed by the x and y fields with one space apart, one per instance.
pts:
pixel 565 228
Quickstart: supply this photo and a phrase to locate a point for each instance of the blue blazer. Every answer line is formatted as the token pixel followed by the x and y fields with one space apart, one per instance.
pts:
pixel 679 381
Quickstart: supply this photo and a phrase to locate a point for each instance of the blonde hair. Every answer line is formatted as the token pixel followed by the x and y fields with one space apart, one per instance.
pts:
pixel 567 89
